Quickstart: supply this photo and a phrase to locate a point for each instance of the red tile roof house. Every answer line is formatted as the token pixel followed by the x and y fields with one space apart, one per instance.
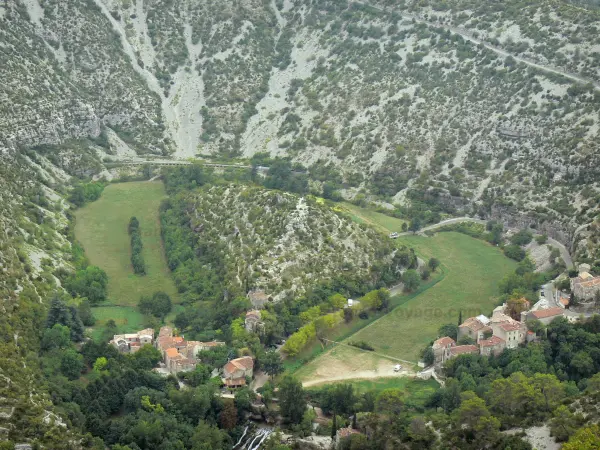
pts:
pixel 492 346
pixel 463 350
pixel 474 327
pixel 236 371
pixel 546 315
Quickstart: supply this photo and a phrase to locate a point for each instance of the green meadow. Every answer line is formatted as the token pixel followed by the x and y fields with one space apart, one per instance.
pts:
pixel 472 270
pixel 101 228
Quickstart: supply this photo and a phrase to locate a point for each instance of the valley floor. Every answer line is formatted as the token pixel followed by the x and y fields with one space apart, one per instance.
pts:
pixel 101 228
pixel 471 272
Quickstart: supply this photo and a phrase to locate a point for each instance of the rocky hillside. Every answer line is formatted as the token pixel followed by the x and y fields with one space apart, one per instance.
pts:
pixel 282 243
pixel 33 244
pixel 474 101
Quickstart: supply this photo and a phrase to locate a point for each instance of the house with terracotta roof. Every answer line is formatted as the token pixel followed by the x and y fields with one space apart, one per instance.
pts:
pixel 492 346
pixel 236 371
pixel 441 349
pixel 178 354
pixel 563 300
pixel 474 328
pixel 463 350
pixel 546 315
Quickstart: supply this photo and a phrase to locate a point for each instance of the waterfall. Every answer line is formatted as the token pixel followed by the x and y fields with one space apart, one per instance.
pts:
pixel 265 435
pixel 254 441
pixel 241 438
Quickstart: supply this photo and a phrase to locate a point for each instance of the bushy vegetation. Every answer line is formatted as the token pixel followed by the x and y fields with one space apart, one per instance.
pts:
pixel 362 345
pixel 234 250
pixel 90 282
pixel 86 192
pixel 157 305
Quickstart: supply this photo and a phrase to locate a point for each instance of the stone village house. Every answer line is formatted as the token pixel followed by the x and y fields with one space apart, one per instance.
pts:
pixel 236 371
pixel 492 335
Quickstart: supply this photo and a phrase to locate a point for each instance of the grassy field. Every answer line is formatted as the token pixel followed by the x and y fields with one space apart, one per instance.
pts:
pixel 473 269
pixel 377 220
pixel 127 318
pixel 305 362
pixel 101 227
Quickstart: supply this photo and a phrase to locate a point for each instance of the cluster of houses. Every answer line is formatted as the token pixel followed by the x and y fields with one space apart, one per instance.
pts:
pixel 492 335
pixel 180 355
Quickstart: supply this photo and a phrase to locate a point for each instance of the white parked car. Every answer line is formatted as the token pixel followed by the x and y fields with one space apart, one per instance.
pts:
pixel 397 368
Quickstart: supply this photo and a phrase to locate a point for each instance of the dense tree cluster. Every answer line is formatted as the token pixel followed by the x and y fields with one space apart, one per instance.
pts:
pixel 199 266
pixel 157 305
pixel 137 259
pixel 86 192
pixel 90 282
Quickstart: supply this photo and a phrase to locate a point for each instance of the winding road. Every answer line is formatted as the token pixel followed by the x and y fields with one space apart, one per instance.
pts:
pixel 564 252
pixel 468 36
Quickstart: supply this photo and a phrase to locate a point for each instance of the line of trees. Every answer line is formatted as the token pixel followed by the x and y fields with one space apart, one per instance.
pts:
pixel 137 259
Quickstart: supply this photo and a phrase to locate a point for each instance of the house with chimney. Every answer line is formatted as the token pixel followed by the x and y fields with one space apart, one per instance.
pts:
pixel 474 328
pixel 441 349
pixel 511 331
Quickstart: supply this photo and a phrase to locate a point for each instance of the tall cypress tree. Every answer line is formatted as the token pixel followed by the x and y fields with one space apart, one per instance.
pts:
pixel 77 328
pixel 334 426
pixel 459 318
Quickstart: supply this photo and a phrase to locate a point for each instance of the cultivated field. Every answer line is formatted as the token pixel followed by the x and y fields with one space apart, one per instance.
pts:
pixel 473 269
pixel 101 228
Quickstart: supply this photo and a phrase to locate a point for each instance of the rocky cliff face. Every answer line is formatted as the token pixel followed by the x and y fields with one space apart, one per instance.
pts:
pixel 461 96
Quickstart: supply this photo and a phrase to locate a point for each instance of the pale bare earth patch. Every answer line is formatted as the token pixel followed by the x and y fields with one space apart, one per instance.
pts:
pixel 540 254
pixel 538 437
pixel 346 363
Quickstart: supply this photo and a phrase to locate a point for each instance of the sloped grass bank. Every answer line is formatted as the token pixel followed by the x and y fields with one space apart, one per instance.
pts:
pixel 473 270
